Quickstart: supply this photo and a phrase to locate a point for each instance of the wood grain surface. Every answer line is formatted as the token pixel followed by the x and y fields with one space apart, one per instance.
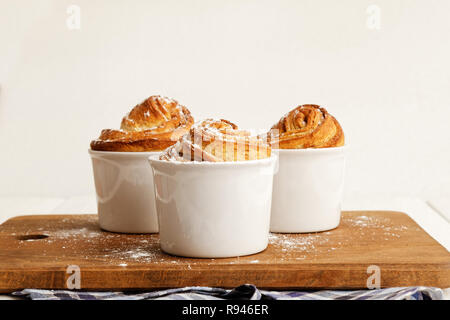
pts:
pixel 35 252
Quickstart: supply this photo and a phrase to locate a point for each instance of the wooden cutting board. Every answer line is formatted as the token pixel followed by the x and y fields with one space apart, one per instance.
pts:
pixel 35 252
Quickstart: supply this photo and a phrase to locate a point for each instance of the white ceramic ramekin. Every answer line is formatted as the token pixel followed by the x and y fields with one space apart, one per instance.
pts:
pixel 213 209
pixel 125 195
pixel 307 190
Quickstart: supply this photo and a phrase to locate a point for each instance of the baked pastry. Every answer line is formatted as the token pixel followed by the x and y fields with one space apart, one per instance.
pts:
pixel 216 141
pixel 307 126
pixel 153 125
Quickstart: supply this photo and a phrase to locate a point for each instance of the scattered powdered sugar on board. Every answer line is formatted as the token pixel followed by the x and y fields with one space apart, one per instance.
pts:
pixel 133 255
pixel 86 241
pixel 373 225
pixel 364 229
pixel 83 239
pixel 77 233
pixel 305 244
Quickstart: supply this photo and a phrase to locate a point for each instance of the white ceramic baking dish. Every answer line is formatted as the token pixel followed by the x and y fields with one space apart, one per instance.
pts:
pixel 124 187
pixel 307 190
pixel 213 209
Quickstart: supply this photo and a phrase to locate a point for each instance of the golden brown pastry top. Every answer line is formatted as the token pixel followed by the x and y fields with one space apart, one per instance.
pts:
pixel 153 125
pixel 217 141
pixel 307 126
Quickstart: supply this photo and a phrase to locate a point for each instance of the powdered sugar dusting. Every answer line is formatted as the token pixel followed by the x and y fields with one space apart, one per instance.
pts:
pixel 302 245
pixel 81 240
pixel 375 225
pixel 135 254
pixel 365 231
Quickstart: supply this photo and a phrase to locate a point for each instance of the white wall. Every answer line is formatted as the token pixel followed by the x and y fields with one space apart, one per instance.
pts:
pixel 246 61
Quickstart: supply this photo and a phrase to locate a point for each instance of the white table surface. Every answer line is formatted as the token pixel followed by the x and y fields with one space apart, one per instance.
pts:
pixel 433 215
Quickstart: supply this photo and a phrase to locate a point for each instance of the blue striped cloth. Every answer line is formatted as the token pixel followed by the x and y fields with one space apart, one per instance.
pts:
pixel 244 292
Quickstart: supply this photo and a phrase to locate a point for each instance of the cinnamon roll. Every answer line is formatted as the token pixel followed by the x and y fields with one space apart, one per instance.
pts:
pixel 153 125
pixel 307 126
pixel 217 141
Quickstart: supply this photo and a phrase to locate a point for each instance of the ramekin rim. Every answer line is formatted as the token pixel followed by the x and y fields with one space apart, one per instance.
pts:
pixel 125 153
pixel 273 157
pixel 311 150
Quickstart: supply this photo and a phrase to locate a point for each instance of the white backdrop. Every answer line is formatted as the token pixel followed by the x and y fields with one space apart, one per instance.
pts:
pixel 246 61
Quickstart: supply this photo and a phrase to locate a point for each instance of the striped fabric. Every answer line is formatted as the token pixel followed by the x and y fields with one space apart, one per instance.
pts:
pixel 244 292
